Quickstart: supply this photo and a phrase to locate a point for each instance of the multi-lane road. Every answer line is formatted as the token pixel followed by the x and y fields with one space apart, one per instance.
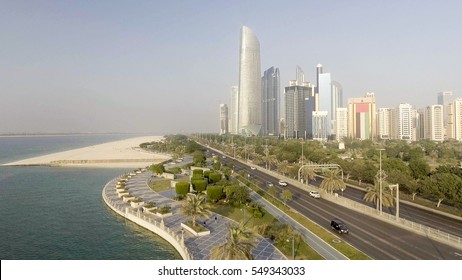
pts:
pixel 378 239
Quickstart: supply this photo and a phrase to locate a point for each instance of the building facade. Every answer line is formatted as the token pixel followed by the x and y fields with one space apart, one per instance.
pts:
pixel 341 124
pixel 270 98
pixel 362 117
pixel 250 113
pixel 434 123
pixel 234 110
pixel 297 105
pixel 224 119
pixel 403 123
pixel 384 116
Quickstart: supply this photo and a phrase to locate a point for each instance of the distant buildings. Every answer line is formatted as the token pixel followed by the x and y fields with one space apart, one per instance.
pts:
pixel 316 111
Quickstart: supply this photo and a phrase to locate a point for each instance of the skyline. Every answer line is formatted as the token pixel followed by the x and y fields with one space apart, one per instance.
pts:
pixel 119 67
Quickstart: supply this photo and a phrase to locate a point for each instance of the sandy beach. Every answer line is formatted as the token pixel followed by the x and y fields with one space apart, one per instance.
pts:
pixel 118 154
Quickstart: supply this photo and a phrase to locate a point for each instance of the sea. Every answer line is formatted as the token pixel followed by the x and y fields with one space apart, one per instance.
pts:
pixel 57 213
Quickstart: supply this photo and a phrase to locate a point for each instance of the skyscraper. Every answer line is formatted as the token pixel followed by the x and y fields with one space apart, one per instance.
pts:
pixel 234 111
pixel 384 123
pixel 341 124
pixel 403 122
pixel 270 99
pixel 433 123
pixel 361 117
pixel 224 119
pixel 445 98
pixel 455 120
pixel 336 102
pixel 250 112
pixel 299 105
pixel 325 99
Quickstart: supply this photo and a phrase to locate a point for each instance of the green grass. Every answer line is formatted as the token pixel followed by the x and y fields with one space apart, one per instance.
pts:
pixel 164 185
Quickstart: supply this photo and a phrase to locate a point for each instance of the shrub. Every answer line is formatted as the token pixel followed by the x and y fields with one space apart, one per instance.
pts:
pixel 182 188
pixel 207 173
pixel 215 193
pixel 215 177
pixel 198 172
pixel 197 177
pixel 165 209
pixel 199 185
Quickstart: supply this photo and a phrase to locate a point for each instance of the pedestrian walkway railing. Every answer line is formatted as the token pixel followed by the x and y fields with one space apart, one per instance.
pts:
pixel 145 220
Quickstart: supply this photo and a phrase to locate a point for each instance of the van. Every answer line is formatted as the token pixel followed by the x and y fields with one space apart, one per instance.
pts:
pixel 339 226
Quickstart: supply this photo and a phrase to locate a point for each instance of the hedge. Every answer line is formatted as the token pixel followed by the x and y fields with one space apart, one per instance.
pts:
pixel 182 188
pixel 199 185
pixel 215 193
pixel 215 177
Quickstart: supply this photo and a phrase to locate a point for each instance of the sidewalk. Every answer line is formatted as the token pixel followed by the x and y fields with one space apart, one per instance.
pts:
pixel 199 247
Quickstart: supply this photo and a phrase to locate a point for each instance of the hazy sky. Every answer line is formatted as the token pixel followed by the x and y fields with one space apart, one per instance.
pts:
pixel 165 66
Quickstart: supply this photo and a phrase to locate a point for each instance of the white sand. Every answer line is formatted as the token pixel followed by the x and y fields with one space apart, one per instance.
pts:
pixel 123 154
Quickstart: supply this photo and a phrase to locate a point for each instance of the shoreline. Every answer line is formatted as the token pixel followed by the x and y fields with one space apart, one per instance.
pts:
pixel 116 154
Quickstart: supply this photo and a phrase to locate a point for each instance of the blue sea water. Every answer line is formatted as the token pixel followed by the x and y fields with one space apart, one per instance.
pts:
pixel 58 213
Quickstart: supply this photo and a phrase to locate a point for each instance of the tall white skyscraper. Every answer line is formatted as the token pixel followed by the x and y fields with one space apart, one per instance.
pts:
pixel 433 123
pixel 336 102
pixel 325 99
pixel 384 123
pixel 234 110
pixel 403 122
pixel 455 120
pixel 250 113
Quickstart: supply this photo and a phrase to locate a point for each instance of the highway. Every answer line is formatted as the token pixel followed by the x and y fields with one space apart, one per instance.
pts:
pixel 378 239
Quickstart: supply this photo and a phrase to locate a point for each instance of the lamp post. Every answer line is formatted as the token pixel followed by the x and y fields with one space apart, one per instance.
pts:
pixel 397 199
pixel 380 181
pixel 342 191
pixel 293 247
pixel 182 236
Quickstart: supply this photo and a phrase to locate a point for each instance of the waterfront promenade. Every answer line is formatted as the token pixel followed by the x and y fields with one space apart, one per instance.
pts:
pixel 169 228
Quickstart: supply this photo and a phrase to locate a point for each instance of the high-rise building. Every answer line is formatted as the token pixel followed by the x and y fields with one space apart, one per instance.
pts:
pixel 319 125
pixel 341 124
pixel 384 123
pixel 433 123
pixel 336 102
pixel 325 99
pixel 318 72
pixel 362 117
pixel 250 112
pixel 270 98
pixel 299 103
pixel 224 119
pixel 445 98
pixel 234 111
pixel 455 120
pixel 403 122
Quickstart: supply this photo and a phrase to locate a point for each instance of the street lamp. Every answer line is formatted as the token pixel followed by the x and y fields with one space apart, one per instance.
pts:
pixel 397 198
pixel 293 247
pixel 380 181
pixel 342 191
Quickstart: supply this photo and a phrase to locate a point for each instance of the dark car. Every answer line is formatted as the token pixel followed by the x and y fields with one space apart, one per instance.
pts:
pixel 339 226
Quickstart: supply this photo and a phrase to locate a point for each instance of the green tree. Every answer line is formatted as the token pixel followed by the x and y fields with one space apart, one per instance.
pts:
pixel 272 191
pixel 283 167
pixel 195 206
pixel 286 195
pixel 442 186
pixel 419 168
pixel 238 244
pixel 332 181
pixel 214 193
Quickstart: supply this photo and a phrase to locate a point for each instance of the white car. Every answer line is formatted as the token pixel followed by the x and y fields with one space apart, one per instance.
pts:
pixel 253 168
pixel 282 183
pixel 315 194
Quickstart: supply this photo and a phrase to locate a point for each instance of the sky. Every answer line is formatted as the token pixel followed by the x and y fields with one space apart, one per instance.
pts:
pixel 164 67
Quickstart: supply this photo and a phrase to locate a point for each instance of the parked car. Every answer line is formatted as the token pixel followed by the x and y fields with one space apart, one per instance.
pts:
pixel 270 184
pixel 339 226
pixel 253 168
pixel 315 194
pixel 282 183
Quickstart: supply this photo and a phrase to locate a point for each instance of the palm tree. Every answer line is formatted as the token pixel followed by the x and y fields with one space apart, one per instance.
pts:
pixel 308 174
pixel 238 245
pixel 373 195
pixel 332 181
pixel 195 206
pixel 283 167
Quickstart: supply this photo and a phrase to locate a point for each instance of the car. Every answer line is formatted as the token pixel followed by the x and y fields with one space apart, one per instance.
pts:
pixel 282 183
pixel 253 168
pixel 223 156
pixel 339 226
pixel 315 194
pixel 270 184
